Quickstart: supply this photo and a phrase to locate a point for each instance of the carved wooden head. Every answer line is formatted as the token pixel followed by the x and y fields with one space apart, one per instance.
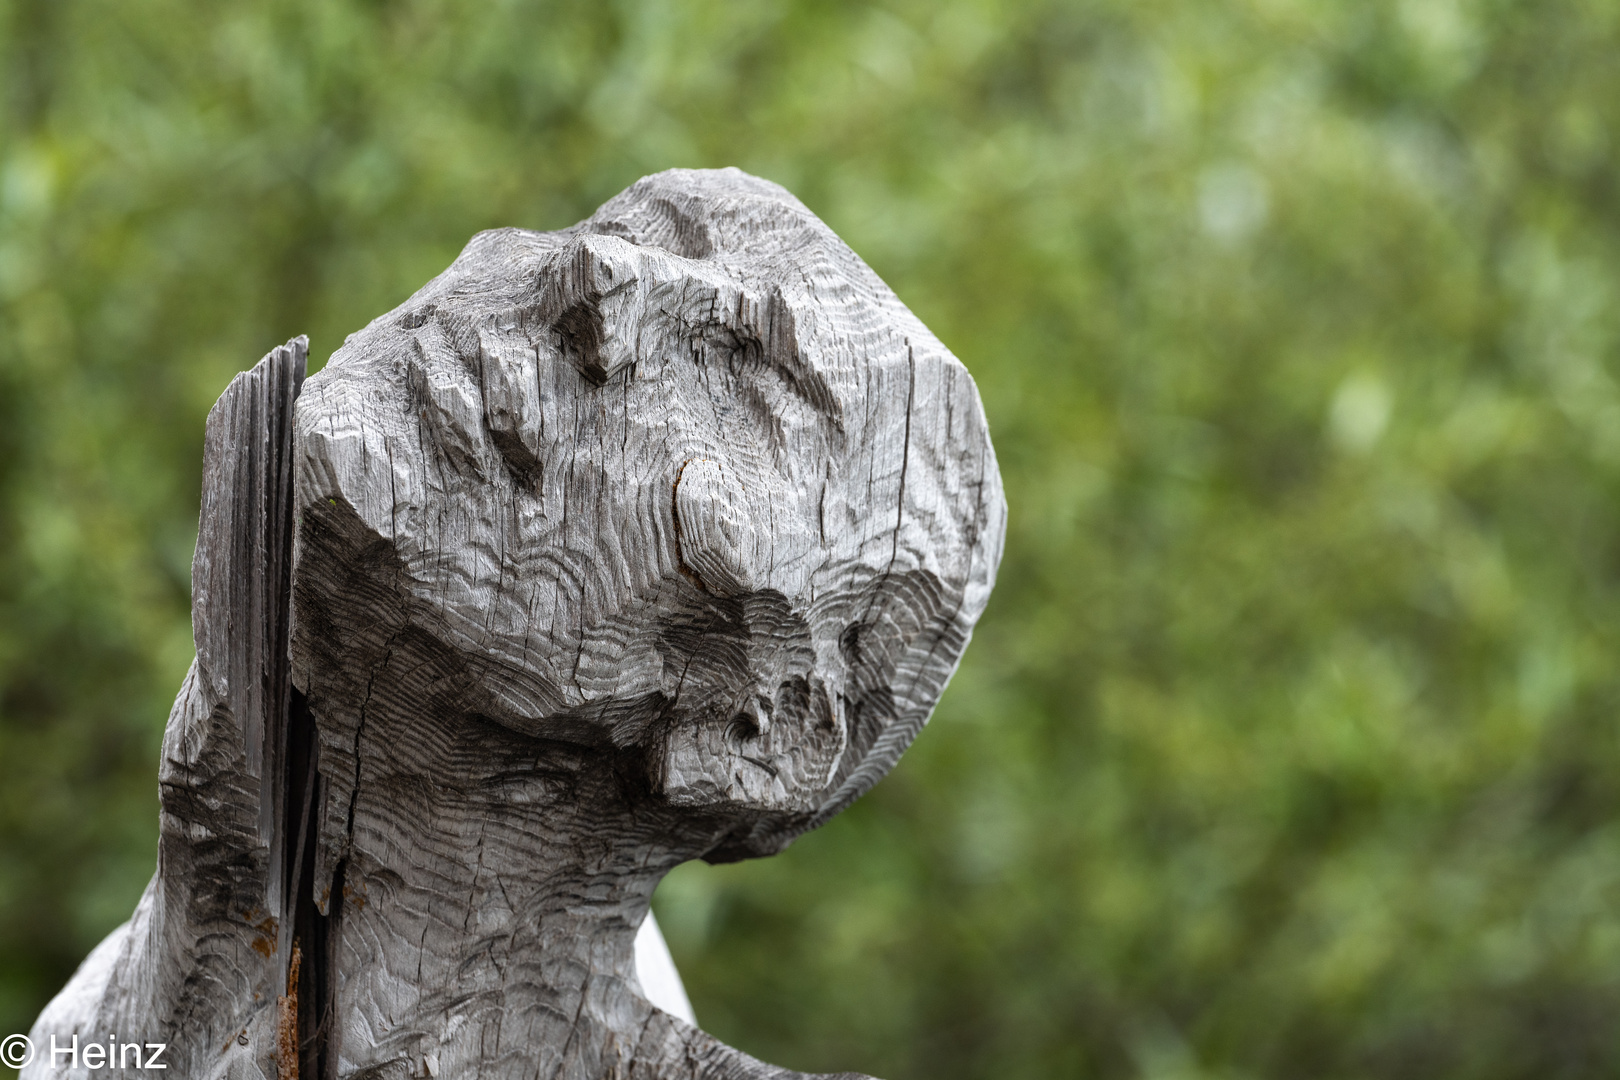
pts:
pixel 685 483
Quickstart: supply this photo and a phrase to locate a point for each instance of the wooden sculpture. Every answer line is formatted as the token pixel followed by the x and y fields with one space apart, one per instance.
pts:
pixel 647 540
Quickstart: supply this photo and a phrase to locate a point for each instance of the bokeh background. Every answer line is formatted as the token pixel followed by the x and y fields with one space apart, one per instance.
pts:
pixel 1289 745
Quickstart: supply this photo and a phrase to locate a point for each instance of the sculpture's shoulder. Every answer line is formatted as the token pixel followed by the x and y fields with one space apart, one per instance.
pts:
pixel 77 1008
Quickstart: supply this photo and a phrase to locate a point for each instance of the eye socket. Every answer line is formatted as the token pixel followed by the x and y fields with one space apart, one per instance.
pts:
pixel 581 331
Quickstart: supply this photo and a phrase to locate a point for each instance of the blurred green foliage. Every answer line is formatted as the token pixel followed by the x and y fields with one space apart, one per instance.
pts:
pixel 1289 745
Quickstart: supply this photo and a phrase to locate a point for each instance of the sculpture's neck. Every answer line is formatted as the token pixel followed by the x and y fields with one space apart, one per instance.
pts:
pixel 492 917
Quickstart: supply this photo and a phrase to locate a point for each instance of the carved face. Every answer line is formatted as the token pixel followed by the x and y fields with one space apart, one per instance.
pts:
pixel 686 481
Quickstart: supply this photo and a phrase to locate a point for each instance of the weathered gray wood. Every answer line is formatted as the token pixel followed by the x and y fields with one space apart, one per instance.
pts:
pixel 652 539
pixel 200 962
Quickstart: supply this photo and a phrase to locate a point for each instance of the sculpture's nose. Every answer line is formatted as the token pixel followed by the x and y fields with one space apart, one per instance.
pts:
pixel 735 537
pixel 716 534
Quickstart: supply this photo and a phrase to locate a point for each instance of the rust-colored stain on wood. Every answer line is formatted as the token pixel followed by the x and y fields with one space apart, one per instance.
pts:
pixel 264 943
pixel 287 1022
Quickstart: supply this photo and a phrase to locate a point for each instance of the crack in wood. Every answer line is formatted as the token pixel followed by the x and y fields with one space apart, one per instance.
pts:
pixel 651 539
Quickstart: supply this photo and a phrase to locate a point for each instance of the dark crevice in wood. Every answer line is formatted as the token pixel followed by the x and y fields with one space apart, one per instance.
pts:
pixel 311 929
pixel 291 753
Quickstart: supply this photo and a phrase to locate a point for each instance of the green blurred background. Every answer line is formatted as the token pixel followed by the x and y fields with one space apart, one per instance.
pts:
pixel 1289 744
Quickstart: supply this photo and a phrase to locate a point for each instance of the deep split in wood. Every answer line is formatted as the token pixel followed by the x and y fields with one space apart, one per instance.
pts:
pixel 652 539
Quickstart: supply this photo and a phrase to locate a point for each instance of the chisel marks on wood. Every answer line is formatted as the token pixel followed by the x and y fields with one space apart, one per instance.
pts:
pixel 651 539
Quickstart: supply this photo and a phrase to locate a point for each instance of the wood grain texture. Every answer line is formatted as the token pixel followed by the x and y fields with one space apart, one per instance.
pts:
pixel 201 963
pixel 652 539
